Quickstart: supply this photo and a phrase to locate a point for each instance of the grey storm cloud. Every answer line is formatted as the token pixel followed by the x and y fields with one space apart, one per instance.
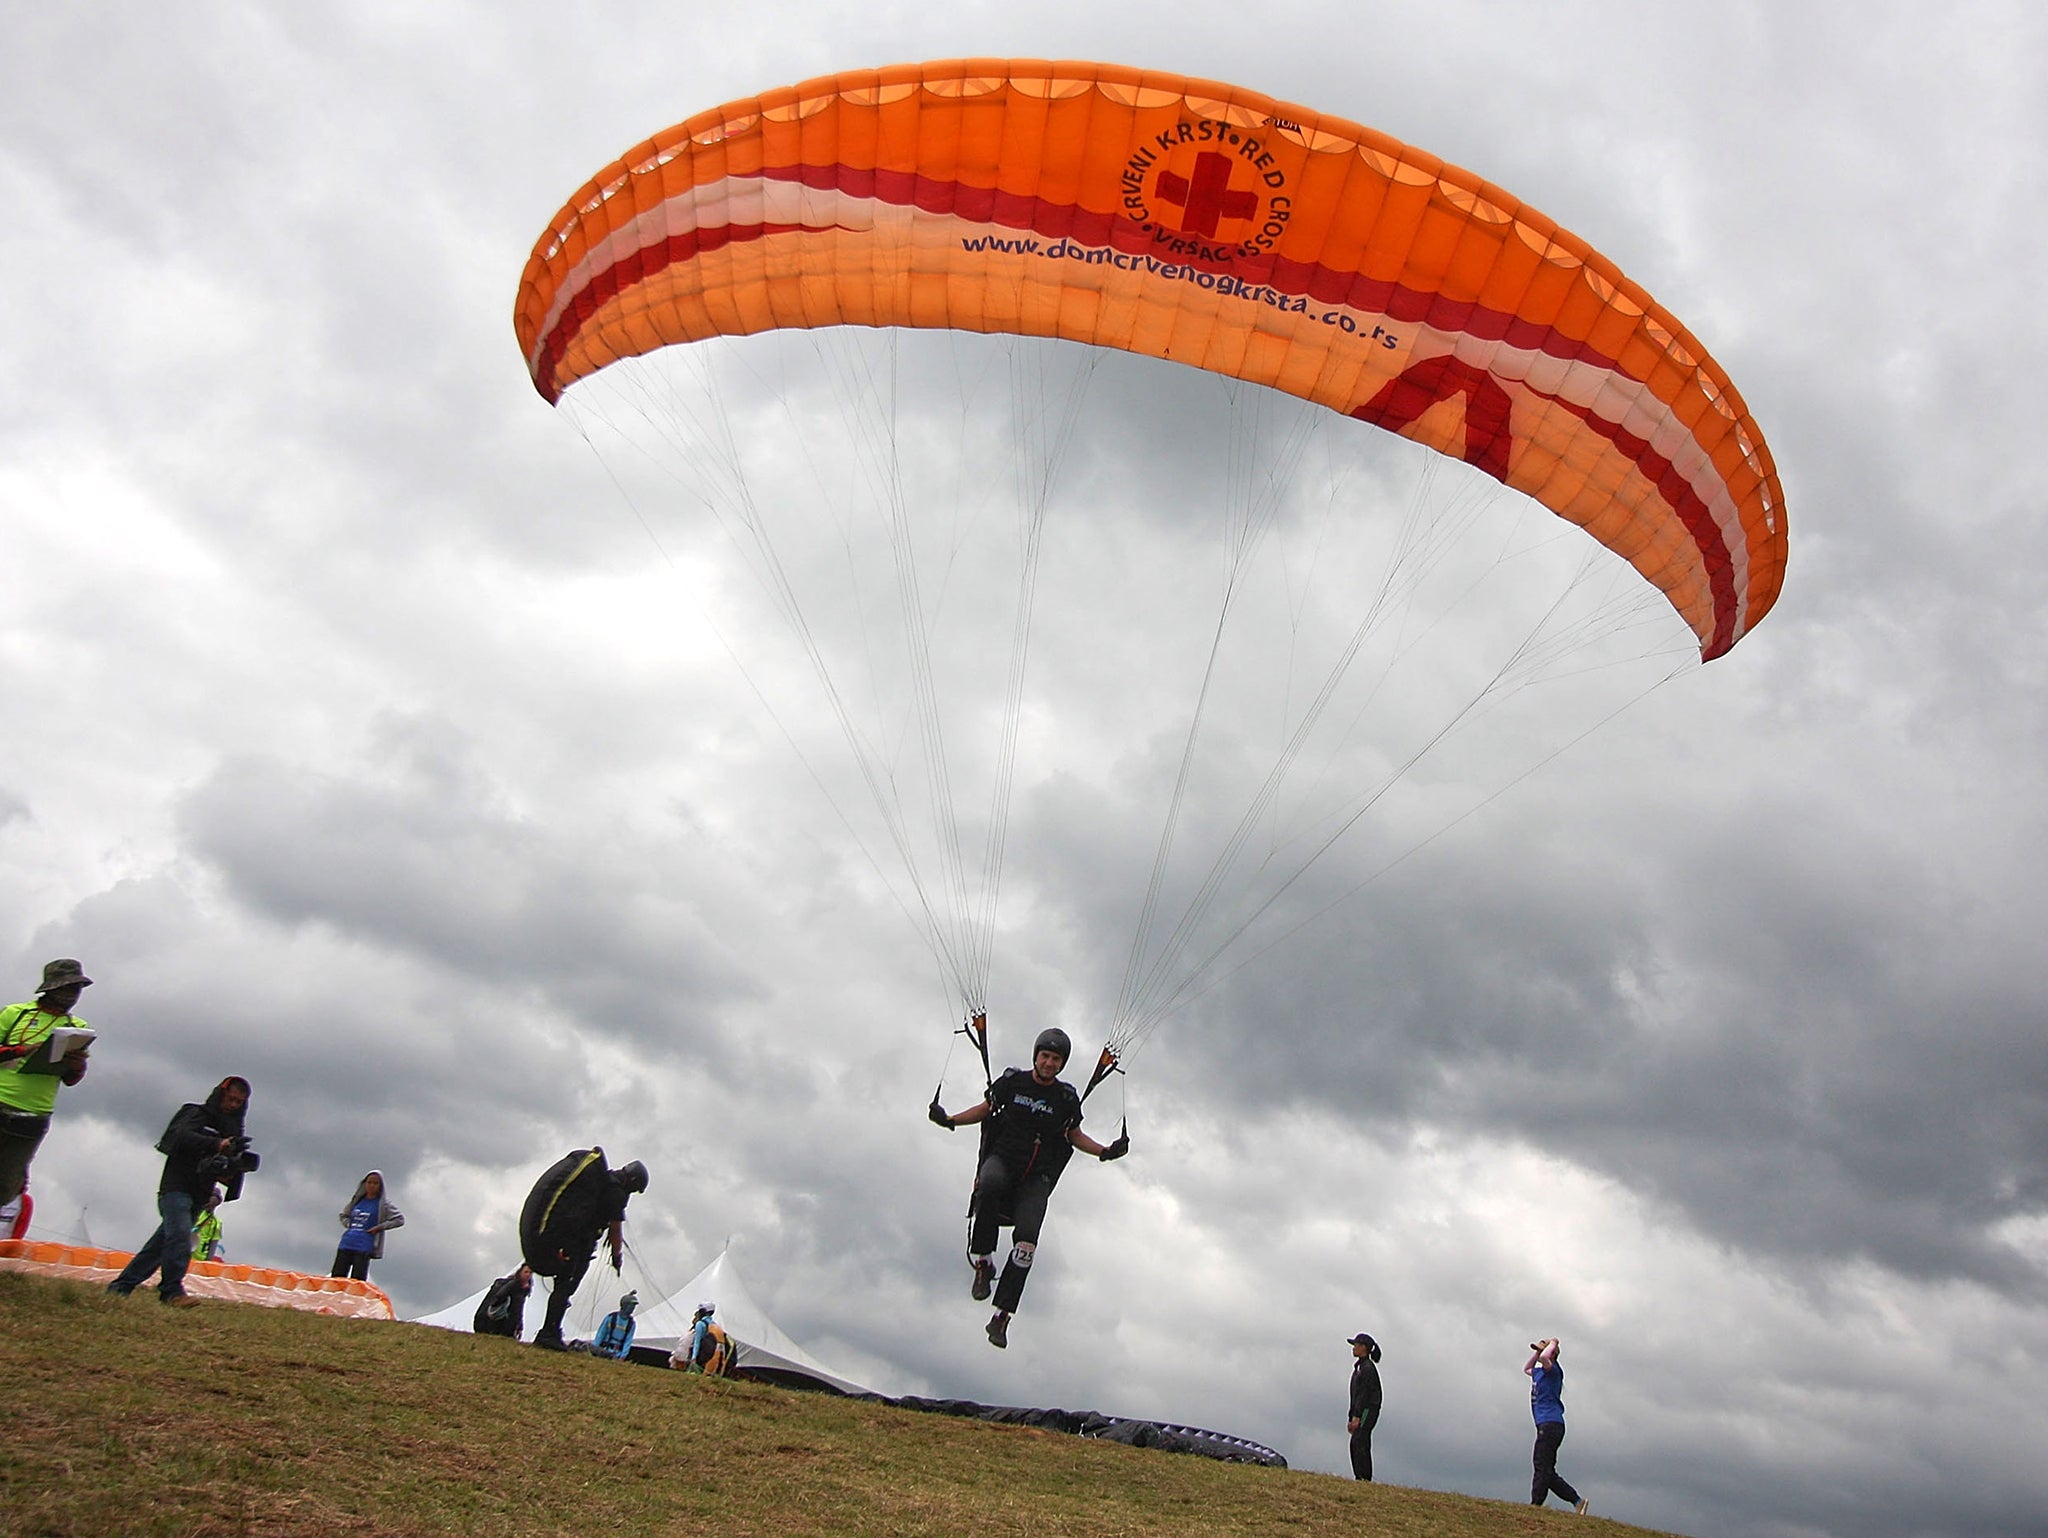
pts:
pixel 430 868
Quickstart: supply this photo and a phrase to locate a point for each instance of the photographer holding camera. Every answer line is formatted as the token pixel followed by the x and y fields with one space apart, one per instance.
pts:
pixel 203 1146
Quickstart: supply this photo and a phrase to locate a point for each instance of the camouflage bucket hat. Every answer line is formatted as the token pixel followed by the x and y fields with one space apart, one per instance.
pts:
pixel 63 974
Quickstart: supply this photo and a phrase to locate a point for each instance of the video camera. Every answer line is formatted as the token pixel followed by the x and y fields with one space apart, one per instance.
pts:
pixel 238 1160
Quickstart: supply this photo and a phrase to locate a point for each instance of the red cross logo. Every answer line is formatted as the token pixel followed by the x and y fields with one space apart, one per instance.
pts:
pixel 1206 197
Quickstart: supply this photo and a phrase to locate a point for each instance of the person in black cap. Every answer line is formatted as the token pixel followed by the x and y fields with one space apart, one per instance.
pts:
pixel 28 1076
pixel 1034 1121
pixel 1365 1403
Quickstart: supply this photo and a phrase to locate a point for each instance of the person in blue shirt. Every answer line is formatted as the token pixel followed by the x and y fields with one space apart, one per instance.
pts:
pixel 707 1348
pixel 363 1223
pixel 615 1334
pixel 1546 1403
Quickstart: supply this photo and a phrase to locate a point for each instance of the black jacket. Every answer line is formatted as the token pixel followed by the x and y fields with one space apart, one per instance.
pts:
pixel 192 1138
pixel 568 1211
pixel 503 1309
pixel 1028 1123
pixel 1365 1388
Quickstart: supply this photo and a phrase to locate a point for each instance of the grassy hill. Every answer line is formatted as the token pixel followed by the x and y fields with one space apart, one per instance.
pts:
pixel 123 1417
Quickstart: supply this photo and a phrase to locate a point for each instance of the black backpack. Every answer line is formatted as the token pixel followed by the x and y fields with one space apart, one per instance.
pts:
pixel 494 1314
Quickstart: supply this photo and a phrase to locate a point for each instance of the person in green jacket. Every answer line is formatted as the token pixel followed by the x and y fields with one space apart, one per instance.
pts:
pixel 28 1086
pixel 206 1243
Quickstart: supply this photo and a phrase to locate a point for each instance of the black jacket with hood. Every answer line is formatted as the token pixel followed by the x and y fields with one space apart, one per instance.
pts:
pixel 193 1137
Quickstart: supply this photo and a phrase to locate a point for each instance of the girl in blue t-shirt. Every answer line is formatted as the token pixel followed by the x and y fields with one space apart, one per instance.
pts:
pixel 1546 1404
pixel 363 1223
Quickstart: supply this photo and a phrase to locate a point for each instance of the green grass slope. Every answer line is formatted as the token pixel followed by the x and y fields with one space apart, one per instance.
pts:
pixel 124 1417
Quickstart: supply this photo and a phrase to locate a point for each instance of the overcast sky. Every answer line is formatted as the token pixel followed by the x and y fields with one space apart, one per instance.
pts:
pixel 371 736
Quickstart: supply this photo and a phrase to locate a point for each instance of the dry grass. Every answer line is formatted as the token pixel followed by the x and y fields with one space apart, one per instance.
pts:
pixel 125 1418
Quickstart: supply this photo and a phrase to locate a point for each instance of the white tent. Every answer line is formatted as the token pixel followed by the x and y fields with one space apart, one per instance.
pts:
pixel 459 1316
pixel 760 1347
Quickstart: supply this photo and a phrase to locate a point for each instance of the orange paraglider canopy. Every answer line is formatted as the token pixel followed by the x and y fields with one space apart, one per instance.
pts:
pixel 1196 222
pixel 264 1285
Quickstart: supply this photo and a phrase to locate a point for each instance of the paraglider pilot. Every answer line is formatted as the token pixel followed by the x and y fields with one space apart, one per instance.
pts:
pixel 571 1207
pixel 1034 1125
pixel 707 1348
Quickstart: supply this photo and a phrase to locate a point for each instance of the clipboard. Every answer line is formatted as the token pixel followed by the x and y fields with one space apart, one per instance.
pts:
pixel 48 1057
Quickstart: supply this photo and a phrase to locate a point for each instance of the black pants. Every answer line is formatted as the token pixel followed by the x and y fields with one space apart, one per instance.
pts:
pixel 483 1324
pixel 21 1134
pixel 560 1291
pixel 355 1263
pixel 1361 1444
pixel 1547 1480
pixel 998 1193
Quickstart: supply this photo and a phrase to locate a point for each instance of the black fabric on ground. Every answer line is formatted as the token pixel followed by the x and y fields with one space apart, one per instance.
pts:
pixel 1109 1428
pixel 1125 1429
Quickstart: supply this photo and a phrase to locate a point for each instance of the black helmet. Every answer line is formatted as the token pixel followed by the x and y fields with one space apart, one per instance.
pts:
pixel 632 1176
pixel 1053 1039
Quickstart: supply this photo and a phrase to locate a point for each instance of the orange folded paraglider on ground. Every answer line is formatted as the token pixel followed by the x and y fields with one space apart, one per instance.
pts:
pixel 262 1285
pixel 1196 222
